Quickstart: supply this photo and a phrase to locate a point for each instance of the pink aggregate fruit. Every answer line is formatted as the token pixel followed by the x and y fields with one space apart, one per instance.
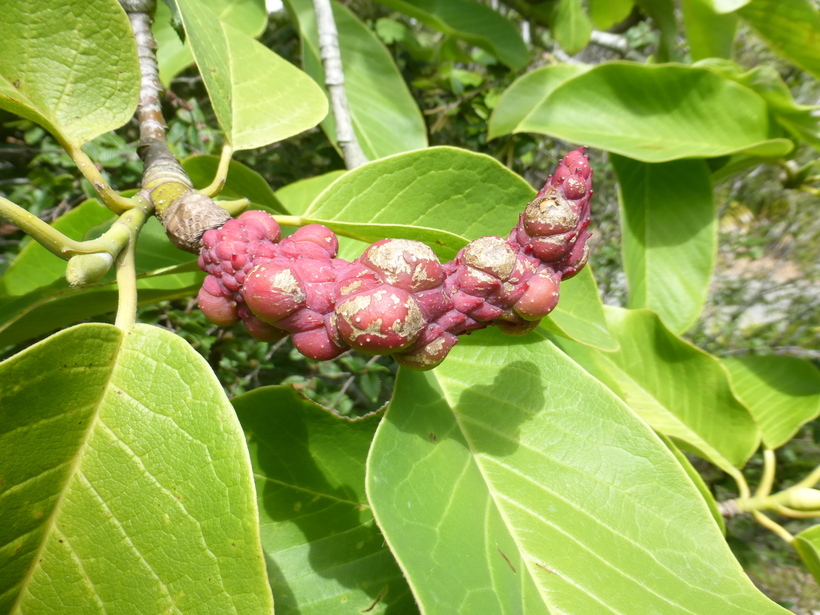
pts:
pixel 397 298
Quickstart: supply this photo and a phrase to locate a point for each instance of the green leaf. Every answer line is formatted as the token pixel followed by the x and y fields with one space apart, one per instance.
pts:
pixel 173 56
pixel 606 13
pixel 580 313
pixel 710 34
pixel 35 266
pixel 679 390
pixel 444 195
pixel 782 393
pixel 385 116
pixel 58 305
pixel 69 66
pixel 258 97
pixel 789 27
pixel 508 480
pixel 126 482
pixel 324 551
pixel 571 26
pixel 242 181
pixel 807 545
pixel 656 113
pixel 471 21
pixel 698 481
pixel 669 236
pixel 801 121
pixel 296 197
pixel 528 93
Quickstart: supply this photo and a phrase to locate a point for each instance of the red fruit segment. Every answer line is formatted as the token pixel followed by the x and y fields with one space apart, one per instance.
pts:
pixel 409 265
pixel 263 331
pixel 219 310
pixel 272 291
pixel 541 296
pixel 379 321
pixel 428 356
pixel 316 344
pixel 491 255
pixel 549 215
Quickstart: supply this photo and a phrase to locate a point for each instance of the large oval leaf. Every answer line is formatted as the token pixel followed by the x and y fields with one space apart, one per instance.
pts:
pixel 385 116
pixel 69 66
pixel 527 94
pixel 258 97
pixel 126 484
pixel 508 480
pixel 790 27
pixel 173 55
pixel 325 553
pixel 571 26
pixel 606 13
pixel 710 34
pixel 675 387
pixel 654 113
pixel 472 21
pixel 669 236
pixel 782 393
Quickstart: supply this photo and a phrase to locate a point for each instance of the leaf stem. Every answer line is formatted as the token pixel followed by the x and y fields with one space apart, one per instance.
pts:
pixel 773 526
pixel 811 479
pixel 764 489
pixel 114 201
pixel 46 235
pixel 221 176
pixel 335 82
pixel 127 271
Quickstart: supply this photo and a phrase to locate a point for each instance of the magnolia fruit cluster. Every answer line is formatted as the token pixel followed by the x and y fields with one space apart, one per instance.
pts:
pixel 397 298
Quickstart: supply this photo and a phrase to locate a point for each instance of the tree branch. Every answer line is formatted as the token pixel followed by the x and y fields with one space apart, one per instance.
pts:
pixel 185 213
pixel 335 82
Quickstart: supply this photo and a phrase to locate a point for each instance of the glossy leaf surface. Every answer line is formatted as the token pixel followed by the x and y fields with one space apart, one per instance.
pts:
pixel 790 27
pixel 512 456
pixel 173 55
pixel 385 116
pixel 675 387
pixel 471 21
pixel 298 196
pixel 120 491
pixel 69 66
pixel 807 545
pixel 258 97
pixel 571 26
pixel 654 113
pixel 710 34
pixel 527 94
pixel 782 393
pixel 324 551
pixel 606 13
pixel 669 236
